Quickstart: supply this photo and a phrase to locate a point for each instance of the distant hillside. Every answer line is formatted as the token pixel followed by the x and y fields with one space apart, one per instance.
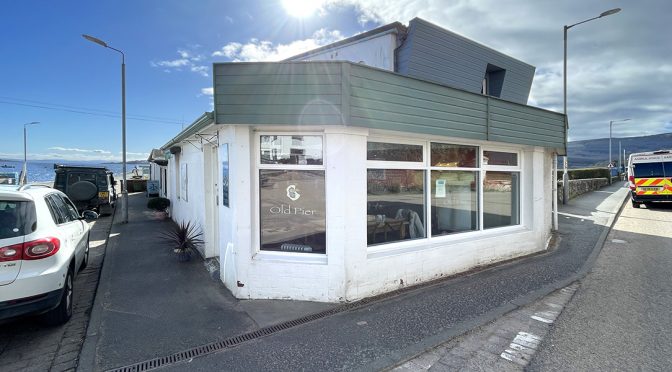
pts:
pixel 595 152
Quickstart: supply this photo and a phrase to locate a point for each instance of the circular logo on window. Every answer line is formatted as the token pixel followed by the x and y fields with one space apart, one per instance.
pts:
pixel 292 193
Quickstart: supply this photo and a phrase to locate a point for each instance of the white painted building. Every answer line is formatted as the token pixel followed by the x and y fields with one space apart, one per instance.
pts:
pixel 334 181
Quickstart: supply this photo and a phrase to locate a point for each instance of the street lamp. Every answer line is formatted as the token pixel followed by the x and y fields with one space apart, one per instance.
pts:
pixel 610 123
pixel 24 173
pixel 124 190
pixel 565 176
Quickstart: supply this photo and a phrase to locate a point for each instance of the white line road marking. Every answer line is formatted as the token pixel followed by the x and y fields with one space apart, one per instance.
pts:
pixel 543 320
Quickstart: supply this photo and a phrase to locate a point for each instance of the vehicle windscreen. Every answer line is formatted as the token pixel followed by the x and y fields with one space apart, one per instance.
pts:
pixel 17 218
pixel 648 170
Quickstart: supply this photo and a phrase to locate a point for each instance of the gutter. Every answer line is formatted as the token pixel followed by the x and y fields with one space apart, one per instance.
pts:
pixel 201 122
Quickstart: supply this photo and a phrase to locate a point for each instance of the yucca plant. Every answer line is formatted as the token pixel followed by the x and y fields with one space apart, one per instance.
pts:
pixel 184 238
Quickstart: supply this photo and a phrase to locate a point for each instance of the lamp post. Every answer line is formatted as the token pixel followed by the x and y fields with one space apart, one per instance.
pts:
pixel 565 176
pixel 124 189
pixel 611 122
pixel 24 173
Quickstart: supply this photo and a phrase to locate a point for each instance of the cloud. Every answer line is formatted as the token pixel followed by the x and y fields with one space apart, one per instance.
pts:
pixel 207 91
pixel 189 60
pixel 264 50
pixel 57 148
pixel 136 154
pixel 617 68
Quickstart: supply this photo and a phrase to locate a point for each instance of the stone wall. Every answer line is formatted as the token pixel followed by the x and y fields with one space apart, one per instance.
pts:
pixel 578 187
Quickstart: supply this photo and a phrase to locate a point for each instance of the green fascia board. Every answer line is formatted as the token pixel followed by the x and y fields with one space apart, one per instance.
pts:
pixel 345 93
pixel 199 124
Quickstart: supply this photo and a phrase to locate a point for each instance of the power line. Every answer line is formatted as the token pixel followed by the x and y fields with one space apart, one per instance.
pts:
pixel 86 111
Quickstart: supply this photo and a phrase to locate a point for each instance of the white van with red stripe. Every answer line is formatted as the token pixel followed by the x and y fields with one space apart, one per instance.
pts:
pixel 650 177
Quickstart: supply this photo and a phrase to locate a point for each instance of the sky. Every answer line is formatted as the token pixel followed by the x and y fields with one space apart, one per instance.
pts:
pixel 619 67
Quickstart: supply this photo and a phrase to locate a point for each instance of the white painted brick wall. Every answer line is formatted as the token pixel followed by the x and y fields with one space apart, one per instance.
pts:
pixel 351 271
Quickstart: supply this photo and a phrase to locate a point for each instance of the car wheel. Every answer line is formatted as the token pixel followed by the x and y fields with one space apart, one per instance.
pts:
pixel 63 311
pixel 85 261
pixel 635 204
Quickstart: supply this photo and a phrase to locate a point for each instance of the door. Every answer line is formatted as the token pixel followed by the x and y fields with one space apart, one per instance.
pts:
pixel 212 200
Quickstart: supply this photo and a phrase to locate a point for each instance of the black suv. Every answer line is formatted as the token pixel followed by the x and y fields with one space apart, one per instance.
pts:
pixel 87 187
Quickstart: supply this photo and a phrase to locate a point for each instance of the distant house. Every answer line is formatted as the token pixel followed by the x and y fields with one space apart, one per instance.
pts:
pixel 391 158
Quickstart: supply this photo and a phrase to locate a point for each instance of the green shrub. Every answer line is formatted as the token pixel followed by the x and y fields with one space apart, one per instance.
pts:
pixel 158 204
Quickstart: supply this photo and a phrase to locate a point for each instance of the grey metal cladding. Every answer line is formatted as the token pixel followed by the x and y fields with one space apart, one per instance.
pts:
pixel 436 54
pixel 390 101
pixel 344 93
pixel 292 93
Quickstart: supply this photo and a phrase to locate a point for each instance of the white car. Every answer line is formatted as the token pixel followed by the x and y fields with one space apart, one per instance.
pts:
pixel 44 242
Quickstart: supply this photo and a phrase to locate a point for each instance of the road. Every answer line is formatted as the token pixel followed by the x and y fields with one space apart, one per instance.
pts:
pixel 620 319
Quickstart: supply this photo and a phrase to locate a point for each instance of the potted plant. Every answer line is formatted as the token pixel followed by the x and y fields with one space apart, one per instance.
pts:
pixel 160 205
pixel 184 238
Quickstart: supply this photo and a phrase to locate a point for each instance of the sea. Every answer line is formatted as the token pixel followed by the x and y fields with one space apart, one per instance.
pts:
pixel 43 170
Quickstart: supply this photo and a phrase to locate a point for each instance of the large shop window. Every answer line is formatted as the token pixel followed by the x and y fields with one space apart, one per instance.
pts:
pixel 291 194
pixel 457 181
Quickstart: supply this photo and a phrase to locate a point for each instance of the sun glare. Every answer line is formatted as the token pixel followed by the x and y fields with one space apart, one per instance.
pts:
pixel 301 8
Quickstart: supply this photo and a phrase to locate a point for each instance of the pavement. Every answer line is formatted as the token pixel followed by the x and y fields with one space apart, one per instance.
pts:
pixel 152 311
pixel 620 318
pixel 148 304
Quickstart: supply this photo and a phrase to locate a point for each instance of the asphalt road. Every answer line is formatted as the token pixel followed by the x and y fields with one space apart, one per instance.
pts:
pixel 621 317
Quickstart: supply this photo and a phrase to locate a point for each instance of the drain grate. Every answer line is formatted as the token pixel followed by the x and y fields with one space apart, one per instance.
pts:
pixel 234 341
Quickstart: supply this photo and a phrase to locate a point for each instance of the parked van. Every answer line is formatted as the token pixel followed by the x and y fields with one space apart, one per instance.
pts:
pixel 650 177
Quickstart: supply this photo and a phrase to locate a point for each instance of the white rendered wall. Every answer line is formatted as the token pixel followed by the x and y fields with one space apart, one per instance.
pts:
pixel 350 270
pixel 376 52
pixel 189 209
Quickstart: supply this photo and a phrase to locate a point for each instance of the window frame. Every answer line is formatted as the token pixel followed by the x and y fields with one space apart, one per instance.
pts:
pixel 258 253
pixel 503 168
pixel 481 169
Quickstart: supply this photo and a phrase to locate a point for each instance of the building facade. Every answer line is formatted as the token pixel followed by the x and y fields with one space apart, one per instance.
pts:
pixel 325 179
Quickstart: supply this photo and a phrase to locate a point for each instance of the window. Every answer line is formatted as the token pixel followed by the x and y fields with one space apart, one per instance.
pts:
pixel 395 192
pixel 77 177
pixel 69 210
pixel 454 202
pixel 648 170
pixel 17 218
pixel 296 150
pixel 57 214
pixel 493 81
pixel 292 203
pixel 393 152
pixel 501 189
pixel 500 199
pixel 459 179
pixel 500 158
pixel 454 181
pixel 395 205
pixel 454 156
